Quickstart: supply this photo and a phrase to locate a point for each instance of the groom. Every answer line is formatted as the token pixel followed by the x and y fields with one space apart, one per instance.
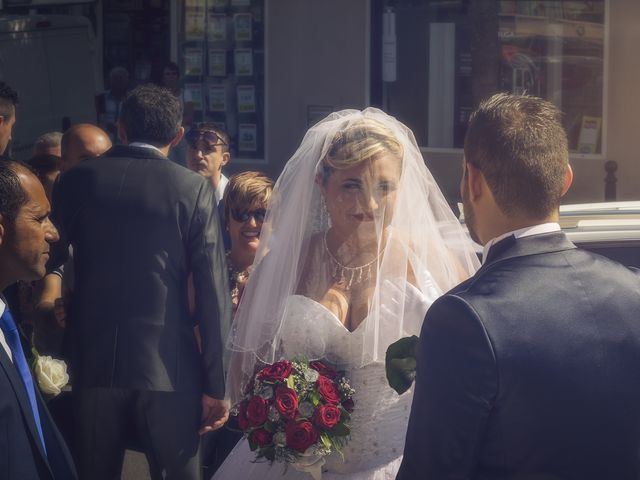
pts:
pixel 530 369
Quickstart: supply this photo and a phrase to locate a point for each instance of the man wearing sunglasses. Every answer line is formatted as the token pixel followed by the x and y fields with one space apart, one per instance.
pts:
pixel 207 153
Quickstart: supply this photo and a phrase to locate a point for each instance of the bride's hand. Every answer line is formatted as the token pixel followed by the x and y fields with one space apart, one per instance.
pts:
pixel 402 296
pixel 215 413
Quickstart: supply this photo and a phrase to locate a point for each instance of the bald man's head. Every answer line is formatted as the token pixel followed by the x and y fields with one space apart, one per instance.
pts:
pixel 81 142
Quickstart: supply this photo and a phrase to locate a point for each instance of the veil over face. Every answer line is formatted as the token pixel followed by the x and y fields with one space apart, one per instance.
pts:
pixel 358 224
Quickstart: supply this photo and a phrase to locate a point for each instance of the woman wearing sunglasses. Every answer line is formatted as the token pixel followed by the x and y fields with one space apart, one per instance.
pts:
pixel 245 202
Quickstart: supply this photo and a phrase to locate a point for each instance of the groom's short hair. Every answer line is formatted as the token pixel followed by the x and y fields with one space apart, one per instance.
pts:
pixel 151 114
pixel 520 146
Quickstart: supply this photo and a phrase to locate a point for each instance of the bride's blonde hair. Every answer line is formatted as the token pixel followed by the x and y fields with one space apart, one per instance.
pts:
pixel 358 141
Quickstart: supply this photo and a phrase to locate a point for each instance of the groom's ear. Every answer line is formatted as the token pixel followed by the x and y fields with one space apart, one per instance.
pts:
pixel 476 184
pixel 568 179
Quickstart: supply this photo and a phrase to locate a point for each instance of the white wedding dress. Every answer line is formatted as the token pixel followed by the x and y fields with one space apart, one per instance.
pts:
pixel 378 423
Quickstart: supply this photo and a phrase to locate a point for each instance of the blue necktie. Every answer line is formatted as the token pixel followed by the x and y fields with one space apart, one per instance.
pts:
pixel 12 336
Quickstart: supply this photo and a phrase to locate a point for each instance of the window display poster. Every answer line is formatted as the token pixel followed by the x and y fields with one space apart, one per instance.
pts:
pixel 247 137
pixel 244 62
pixel 193 61
pixel 217 27
pixel 246 98
pixel 218 63
pixel 242 27
pixel 193 94
pixel 194 17
pixel 589 134
pixel 217 98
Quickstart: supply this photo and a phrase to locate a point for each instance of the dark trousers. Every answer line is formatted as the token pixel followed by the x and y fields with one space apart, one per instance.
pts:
pixel 164 424
pixel 216 446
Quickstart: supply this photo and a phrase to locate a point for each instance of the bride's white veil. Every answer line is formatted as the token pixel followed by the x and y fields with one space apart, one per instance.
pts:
pixel 422 252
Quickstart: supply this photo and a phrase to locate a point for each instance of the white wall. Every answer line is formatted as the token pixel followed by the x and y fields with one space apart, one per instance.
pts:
pixel 317 54
pixel 624 97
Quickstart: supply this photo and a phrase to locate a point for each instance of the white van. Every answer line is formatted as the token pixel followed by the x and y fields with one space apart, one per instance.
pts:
pixel 49 61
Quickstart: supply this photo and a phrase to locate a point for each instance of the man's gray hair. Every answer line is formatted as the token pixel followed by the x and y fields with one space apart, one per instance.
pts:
pixel 48 140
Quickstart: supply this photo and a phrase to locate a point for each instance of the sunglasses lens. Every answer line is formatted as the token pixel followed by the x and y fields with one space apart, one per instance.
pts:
pixel 259 215
pixel 209 138
pixel 240 216
pixel 243 216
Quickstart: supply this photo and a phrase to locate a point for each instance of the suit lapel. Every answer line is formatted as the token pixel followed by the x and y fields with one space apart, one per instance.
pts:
pixel 23 401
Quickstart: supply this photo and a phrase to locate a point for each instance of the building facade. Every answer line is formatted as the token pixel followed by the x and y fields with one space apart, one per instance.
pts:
pixel 266 70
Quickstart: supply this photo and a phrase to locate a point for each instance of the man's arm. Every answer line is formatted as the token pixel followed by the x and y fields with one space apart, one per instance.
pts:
pixel 211 291
pixel 456 384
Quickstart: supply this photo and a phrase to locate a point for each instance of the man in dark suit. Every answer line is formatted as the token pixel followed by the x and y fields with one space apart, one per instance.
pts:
pixel 529 369
pixel 140 225
pixel 30 445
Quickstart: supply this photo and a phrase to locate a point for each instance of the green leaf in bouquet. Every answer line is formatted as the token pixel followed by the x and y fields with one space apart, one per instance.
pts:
pixel 400 363
pixel 341 430
pixel 269 427
pixel 326 441
pixel 345 416
pixel 315 398
pixel 252 445
pixel 290 382
pixel 269 453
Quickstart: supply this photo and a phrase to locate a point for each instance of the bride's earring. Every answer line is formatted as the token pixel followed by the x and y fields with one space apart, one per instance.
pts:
pixel 325 219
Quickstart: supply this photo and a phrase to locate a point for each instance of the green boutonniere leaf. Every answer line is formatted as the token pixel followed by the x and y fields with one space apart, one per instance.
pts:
pixel 400 362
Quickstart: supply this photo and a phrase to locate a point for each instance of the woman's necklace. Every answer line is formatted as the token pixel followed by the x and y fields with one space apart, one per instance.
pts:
pixel 348 276
pixel 236 278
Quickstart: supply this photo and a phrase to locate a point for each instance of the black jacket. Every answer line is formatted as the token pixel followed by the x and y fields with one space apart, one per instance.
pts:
pixel 530 370
pixel 21 454
pixel 140 225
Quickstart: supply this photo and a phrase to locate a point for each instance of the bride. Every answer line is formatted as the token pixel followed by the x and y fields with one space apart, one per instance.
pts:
pixel 357 243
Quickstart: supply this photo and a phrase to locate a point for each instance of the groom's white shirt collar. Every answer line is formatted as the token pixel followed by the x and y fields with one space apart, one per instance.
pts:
pixel 522 232
pixel 146 145
pixel 3 342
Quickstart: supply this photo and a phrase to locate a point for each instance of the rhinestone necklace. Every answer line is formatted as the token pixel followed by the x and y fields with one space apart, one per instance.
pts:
pixel 348 276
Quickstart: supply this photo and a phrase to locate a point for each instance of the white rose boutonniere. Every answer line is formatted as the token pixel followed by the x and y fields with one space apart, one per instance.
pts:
pixel 51 374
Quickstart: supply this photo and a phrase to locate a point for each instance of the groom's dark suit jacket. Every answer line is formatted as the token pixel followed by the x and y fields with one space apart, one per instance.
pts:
pixel 139 224
pixel 530 370
pixel 21 454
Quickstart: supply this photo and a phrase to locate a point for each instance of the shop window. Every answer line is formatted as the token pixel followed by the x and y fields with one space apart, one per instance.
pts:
pixel 444 57
pixel 221 48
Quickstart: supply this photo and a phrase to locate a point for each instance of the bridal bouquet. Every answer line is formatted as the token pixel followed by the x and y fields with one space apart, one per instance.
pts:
pixel 296 412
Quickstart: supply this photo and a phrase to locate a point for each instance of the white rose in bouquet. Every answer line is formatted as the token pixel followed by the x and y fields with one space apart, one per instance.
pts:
pixel 51 374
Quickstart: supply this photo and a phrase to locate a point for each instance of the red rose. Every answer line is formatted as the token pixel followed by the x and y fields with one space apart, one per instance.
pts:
pixel 243 423
pixel 261 437
pixel 276 372
pixel 322 369
pixel 257 411
pixel 328 390
pixel 326 416
pixel 300 435
pixel 348 405
pixel 286 402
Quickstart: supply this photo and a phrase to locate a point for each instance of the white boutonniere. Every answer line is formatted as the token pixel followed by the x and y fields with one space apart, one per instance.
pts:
pixel 50 373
